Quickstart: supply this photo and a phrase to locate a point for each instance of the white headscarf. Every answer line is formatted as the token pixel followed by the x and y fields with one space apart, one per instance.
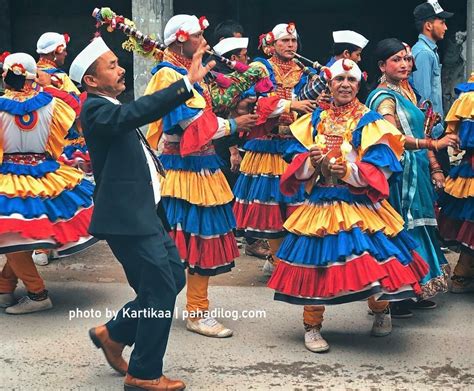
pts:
pixel 21 64
pixel 180 25
pixel 284 30
pixel 343 66
pixel 50 42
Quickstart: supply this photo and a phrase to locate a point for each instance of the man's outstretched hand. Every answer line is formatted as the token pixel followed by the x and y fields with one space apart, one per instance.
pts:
pixel 197 71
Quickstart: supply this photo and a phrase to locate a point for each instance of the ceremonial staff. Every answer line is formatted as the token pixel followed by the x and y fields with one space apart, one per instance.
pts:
pixel 315 64
pixel 105 16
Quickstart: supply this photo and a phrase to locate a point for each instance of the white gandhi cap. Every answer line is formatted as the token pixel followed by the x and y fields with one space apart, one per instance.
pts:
pixel 348 36
pixel 85 59
pixel 228 44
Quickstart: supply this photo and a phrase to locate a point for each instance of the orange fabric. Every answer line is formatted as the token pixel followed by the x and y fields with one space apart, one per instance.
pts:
pixel 313 315
pixel 274 246
pixel 20 266
pixel 465 266
pixel 196 294
pixel 377 306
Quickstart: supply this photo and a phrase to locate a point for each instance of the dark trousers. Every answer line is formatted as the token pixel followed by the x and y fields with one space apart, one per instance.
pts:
pixel 156 273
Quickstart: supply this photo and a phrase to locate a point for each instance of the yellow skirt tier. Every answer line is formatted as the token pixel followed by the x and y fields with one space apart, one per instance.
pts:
pixel 332 218
pixel 460 187
pixel 51 185
pixel 199 188
pixel 257 163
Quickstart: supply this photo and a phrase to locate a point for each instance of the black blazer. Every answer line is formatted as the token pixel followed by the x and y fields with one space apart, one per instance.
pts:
pixel 123 196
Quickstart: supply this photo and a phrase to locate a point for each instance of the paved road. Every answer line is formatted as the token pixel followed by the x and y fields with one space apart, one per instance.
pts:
pixel 432 350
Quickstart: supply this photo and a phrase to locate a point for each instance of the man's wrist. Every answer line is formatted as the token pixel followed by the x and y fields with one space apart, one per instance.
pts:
pixel 234 150
pixel 188 83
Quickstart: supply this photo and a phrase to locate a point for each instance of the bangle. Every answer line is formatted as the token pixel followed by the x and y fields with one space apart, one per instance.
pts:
pixel 417 144
pixel 232 125
pixel 438 170
pixel 429 144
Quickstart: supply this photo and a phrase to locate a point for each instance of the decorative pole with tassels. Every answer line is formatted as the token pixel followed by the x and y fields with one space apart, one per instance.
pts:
pixel 145 44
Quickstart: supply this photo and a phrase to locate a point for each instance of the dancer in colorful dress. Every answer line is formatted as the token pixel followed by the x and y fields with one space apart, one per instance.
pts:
pixel 52 48
pixel 456 220
pixel 233 45
pixel 346 242
pixel 43 203
pixel 195 193
pixel 260 208
pixel 413 196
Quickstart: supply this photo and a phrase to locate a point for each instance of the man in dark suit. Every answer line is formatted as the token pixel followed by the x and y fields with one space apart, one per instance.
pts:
pixel 127 212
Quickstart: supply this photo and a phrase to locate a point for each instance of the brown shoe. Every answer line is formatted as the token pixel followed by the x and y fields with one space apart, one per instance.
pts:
pixel 257 249
pixel 112 350
pixel 162 384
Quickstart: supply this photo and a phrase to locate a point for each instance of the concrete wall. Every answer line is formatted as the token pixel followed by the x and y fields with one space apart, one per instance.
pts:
pixel 150 16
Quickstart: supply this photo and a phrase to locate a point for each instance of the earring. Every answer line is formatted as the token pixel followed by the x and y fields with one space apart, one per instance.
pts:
pixel 181 49
pixel 383 78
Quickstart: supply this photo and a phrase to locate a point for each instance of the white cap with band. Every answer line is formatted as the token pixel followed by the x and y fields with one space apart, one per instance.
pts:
pixel 226 45
pixel 86 58
pixel 348 36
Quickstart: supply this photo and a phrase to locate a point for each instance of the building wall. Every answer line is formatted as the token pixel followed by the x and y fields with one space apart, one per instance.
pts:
pixel 150 17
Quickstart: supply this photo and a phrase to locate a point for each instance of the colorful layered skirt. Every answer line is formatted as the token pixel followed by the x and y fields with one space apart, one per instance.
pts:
pixel 260 208
pixel 342 247
pixel 414 199
pixel 43 205
pixel 456 219
pixel 76 153
pixel 197 200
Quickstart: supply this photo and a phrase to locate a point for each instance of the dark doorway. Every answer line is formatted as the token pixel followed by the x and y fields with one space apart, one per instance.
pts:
pixel 28 19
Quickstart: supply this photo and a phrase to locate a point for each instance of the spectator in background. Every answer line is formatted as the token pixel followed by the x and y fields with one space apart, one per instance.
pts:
pixel 430 21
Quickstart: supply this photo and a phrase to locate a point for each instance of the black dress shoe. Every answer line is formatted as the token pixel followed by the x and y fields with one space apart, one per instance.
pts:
pixel 400 310
pixel 423 305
